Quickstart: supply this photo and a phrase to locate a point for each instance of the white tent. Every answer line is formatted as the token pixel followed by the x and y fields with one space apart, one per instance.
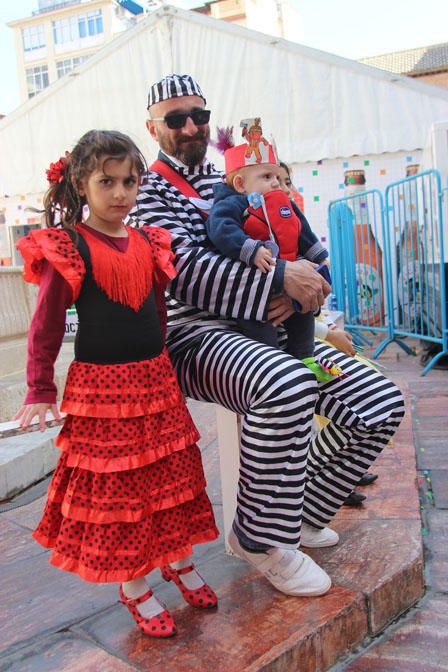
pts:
pixel 316 105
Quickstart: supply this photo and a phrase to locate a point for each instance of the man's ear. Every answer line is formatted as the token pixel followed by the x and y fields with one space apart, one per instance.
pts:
pixel 150 125
pixel 238 183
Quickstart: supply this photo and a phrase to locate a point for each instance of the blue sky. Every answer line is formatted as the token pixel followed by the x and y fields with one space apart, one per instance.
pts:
pixel 349 29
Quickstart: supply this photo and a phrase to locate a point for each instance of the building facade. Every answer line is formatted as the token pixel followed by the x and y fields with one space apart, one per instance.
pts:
pixel 427 64
pixel 274 17
pixel 62 34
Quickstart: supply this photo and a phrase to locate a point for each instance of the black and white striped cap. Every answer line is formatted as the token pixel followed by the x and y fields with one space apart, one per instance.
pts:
pixel 174 86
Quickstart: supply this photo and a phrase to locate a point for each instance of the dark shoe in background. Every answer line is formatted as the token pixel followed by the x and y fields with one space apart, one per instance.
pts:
pixel 355 498
pixel 430 350
pixel 367 479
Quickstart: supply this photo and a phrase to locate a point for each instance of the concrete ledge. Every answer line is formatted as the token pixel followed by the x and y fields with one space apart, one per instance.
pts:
pixel 13 390
pixel 17 299
pixel 13 386
pixel 13 355
pixel 25 459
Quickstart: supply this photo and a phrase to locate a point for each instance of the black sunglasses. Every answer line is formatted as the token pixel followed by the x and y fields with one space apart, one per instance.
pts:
pixel 179 119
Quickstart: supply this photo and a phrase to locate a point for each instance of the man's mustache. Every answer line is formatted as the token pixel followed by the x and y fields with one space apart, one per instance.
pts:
pixel 192 138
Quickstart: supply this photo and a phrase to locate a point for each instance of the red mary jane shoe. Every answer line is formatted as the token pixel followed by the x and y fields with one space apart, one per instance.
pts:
pixel 201 597
pixel 161 625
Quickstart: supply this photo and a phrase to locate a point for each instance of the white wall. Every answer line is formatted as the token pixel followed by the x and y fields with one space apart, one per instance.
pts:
pixel 323 181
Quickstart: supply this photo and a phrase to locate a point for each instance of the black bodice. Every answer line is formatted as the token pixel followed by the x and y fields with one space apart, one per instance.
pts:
pixel 109 332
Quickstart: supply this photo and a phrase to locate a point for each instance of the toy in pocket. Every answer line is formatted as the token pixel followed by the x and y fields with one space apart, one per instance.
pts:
pixel 332 368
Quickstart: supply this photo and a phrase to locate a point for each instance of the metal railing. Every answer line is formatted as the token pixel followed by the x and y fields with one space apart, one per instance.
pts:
pixel 358 264
pixel 388 267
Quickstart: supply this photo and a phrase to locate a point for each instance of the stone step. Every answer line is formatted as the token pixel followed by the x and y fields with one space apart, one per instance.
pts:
pixel 25 459
pixel 13 386
pixel 13 355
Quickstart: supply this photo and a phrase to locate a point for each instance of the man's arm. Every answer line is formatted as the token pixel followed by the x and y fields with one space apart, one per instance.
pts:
pixel 205 279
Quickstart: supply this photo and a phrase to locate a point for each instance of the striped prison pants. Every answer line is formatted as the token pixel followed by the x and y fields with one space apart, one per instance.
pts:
pixel 283 477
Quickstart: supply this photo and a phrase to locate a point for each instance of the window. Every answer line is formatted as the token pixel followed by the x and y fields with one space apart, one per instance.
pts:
pixel 69 64
pixel 77 27
pixel 33 37
pixel 65 30
pixel 90 23
pixel 36 79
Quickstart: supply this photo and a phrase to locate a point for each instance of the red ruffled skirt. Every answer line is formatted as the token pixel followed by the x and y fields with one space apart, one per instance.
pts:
pixel 128 493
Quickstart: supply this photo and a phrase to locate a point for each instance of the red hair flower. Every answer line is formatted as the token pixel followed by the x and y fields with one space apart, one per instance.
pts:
pixel 56 171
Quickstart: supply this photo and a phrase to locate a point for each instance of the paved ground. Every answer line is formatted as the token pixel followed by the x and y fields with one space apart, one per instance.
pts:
pixel 51 621
pixel 418 642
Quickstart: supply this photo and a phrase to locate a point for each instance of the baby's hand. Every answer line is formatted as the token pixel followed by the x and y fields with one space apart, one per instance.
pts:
pixel 263 259
pixel 28 411
pixel 341 340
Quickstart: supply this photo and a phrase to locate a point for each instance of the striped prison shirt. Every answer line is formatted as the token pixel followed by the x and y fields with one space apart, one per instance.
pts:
pixel 210 291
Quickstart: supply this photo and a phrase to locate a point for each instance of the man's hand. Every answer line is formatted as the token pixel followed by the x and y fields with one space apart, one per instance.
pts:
pixel 302 283
pixel 263 259
pixel 280 308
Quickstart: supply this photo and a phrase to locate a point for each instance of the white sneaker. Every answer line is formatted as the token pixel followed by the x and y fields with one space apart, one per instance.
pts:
pixel 312 537
pixel 291 572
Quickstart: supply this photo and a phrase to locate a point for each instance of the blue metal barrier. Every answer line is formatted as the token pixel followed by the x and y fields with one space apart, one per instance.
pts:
pixel 418 272
pixel 358 266
pixel 388 267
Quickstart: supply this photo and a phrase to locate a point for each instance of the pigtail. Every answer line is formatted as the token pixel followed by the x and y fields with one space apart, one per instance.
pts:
pixel 63 204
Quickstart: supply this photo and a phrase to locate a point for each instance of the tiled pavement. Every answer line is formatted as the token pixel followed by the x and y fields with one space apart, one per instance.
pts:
pixel 53 621
pixel 419 641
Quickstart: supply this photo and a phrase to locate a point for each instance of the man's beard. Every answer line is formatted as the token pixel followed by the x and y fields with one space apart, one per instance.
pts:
pixel 189 149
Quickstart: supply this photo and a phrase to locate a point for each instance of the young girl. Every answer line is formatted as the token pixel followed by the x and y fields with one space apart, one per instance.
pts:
pixel 128 493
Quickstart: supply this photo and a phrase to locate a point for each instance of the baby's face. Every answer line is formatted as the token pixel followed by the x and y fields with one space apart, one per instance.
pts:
pixel 260 178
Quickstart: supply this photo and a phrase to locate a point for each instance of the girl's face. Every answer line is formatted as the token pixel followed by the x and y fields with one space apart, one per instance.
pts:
pixel 285 181
pixel 110 191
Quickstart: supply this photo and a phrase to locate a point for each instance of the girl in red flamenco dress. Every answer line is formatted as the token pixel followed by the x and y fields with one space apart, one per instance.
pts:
pixel 128 493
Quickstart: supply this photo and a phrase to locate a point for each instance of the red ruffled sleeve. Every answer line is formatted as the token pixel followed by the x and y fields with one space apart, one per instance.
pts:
pixel 164 270
pixel 163 255
pixel 56 246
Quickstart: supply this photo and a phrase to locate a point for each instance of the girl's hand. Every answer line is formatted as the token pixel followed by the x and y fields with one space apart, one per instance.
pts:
pixel 263 259
pixel 28 411
pixel 341 340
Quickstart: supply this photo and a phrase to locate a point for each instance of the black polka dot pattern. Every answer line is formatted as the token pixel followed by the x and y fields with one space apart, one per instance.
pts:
pixel 128 493
pixel 121 390
pixel 56 246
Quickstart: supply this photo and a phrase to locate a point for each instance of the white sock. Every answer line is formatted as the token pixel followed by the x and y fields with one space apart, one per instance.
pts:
pixel 138 587
pixel 192 580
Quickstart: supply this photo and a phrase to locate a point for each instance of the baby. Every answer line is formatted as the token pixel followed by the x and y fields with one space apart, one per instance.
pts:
pixel 254 221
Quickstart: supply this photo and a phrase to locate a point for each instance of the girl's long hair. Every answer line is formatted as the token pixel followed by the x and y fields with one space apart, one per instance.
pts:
pixel 285 166
pixel 63 204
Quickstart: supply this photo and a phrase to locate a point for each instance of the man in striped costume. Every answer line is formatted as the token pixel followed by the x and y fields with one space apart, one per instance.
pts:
pixel 289 488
